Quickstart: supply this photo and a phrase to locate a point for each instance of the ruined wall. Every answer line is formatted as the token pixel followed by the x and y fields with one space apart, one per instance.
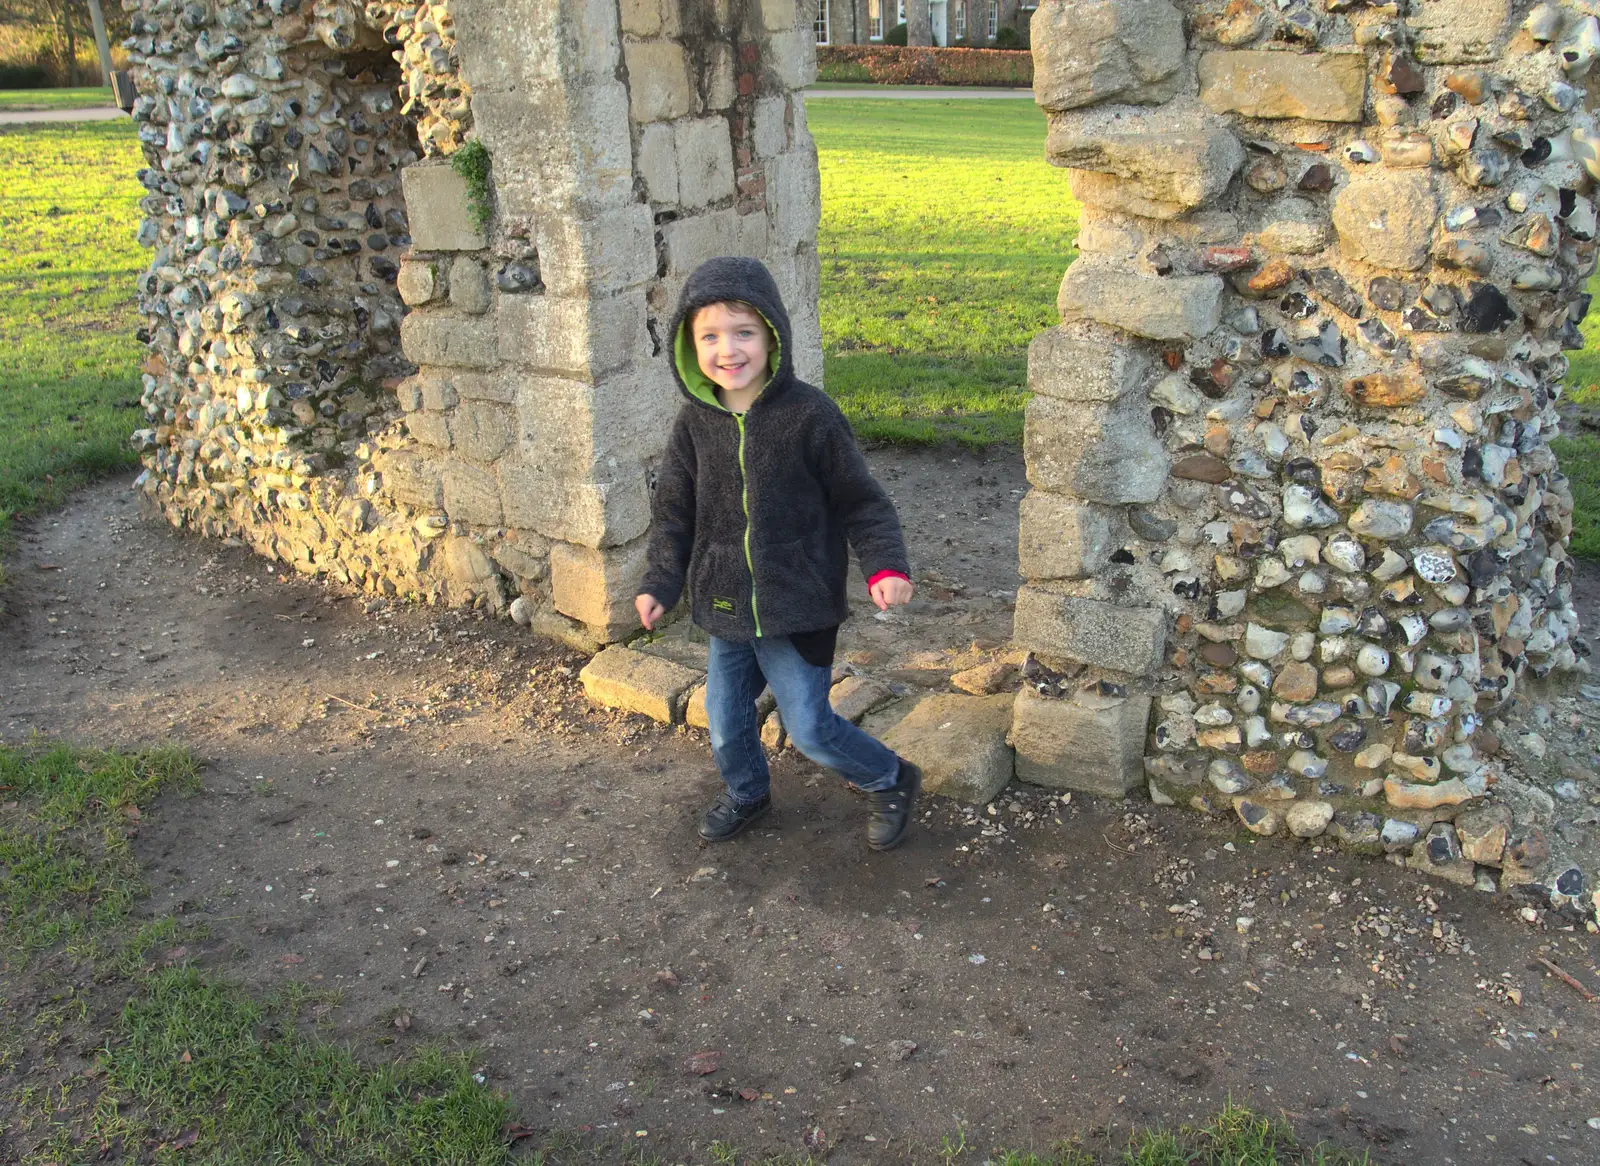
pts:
pixel 1295 527
pixel 358 371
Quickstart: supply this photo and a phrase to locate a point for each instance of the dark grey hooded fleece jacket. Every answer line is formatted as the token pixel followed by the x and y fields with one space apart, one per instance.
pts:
pixel 753 512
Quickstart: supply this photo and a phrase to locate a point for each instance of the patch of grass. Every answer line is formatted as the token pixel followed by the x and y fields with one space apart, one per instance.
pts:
pixel 233 1080
pixel 18 100
pixel 68 264
pixel 943 238
pixel 67 875
pixel 1579 456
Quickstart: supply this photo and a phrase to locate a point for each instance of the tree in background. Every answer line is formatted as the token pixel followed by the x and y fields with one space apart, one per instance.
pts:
pixel 53 33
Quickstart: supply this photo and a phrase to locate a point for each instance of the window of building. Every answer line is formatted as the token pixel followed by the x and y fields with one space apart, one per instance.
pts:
pixel 821 25
pixel 874 19
pixel 900 11
pixel 994 18
pixel 961 19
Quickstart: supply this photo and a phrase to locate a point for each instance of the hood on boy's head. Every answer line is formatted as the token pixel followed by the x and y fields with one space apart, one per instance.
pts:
pixel 718 281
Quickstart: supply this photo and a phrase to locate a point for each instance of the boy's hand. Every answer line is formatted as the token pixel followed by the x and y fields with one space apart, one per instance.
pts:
pixel 890 592
pixel 649 610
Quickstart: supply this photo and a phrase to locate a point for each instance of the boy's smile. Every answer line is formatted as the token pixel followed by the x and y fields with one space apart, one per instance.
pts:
pixel 732 346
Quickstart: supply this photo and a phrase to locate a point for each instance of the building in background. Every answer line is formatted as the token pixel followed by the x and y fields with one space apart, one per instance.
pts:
pixel 862 22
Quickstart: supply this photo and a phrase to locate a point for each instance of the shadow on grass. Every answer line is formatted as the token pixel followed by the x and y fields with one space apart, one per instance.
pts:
pixel 910 399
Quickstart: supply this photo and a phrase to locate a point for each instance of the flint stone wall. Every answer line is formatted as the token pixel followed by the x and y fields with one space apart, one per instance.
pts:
pixel 1292 486
pixel 354 372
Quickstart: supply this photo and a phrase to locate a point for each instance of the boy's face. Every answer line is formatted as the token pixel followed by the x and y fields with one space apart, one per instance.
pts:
pixel 732 346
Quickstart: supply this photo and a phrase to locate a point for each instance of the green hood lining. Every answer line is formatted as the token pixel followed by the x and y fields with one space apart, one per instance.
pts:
pixel 700 386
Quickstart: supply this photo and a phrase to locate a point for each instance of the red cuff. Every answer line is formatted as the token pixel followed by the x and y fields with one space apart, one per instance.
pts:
pixel 873 582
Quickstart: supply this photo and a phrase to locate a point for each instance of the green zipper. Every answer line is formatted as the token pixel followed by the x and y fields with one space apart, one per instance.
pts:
pixel 744 497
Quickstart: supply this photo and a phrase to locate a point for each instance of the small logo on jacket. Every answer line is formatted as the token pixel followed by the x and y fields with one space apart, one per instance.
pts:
pixel 721 603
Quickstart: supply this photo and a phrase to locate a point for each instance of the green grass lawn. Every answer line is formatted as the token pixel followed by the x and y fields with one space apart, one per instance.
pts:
pixel 68 261
pixel 944 235
pixel 28 99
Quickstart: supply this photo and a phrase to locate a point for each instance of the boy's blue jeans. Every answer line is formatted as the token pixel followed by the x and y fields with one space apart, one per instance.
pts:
pixel 734 677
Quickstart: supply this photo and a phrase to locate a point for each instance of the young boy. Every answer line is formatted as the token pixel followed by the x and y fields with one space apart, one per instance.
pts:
pixel 760 488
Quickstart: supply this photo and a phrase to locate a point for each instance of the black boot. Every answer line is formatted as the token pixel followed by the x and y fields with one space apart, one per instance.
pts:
pixel 891 808
pixel 728 819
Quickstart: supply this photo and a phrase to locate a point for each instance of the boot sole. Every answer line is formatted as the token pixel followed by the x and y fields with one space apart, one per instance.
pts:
pixel 745 825
pixel 905 828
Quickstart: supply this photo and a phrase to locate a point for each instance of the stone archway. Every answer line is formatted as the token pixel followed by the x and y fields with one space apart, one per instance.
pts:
pixel 1293 498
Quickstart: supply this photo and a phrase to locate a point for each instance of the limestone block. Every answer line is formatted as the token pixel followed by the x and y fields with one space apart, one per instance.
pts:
pixel 580 337
pixel 856 696
pixel 1484 833
pixel 1092 745
pixel 792 56
pixel 525 555
pixel 1088 51
pixel 582 430
pixel 777 15
pixel 438 209
pixel 600 255
pixel 794 192
pixel 1087 363
pixel 1262 83
pixel 695 713
pixel 691 240
pixel 1459 32
pixel 1099 453
pixel 719 77
pixel 414 480
pixel 592 513
pixel 620 678
pixel 426 428
pixel 596 587
pixel 1387 218
pixel 641 18
pixel 659 86
pixel 481 431
pixel 1103 635
pixel 770 126
pixel 469 287
pixel 417 282
pixel 452 341
pixel 471 494
pixel 1061 538
pixel 504 45
pixel 470 572
pixel 1164 163
pixel 1177 307
pixel 558 149
pixel 658 162
pixel 959 743
pixel 705 161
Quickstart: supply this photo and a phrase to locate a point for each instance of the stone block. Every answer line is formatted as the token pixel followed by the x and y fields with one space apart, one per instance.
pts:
pixel 856 696
pixel 705 161
pixel 417 282
pixel 1092 745
pixel 1089 51
pixel 1262 83
pixel 1062 538
pixel 584 430
pixel 558 149
pixel 439 210
pixel 471 494
pixel 777 15
pixel 576 336
pixel 448 340
pixel 1483 833
pixel 414 480
pixel 428 428
pixel 525 555
pixel 1179 307
pixel 594 514
pixel 469 287
pixel 480 431
pixel 794 192
pixel 659 85
pixel 1087 363
pixel 1131 640
pixel 770 126
pixel 1387 218
pixel 601 255
pixel 792 56
pixel 959 743
pixel 695 712
pixel 1165 163
pixel 597 587
pixel 641 18
pixel 691 240
pixel 620 678
pixel 1459 32
pixel 658 163
pixel 719 77
pixel 470 572
pixel 1099 453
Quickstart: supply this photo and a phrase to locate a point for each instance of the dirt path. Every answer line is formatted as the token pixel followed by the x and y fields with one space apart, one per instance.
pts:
pixel 419 809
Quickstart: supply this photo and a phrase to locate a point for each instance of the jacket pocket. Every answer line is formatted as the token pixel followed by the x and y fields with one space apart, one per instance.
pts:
pixel 791 581
pixel 714 579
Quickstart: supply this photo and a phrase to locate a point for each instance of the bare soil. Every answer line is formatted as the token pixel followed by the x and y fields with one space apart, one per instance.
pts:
pixel 419 809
